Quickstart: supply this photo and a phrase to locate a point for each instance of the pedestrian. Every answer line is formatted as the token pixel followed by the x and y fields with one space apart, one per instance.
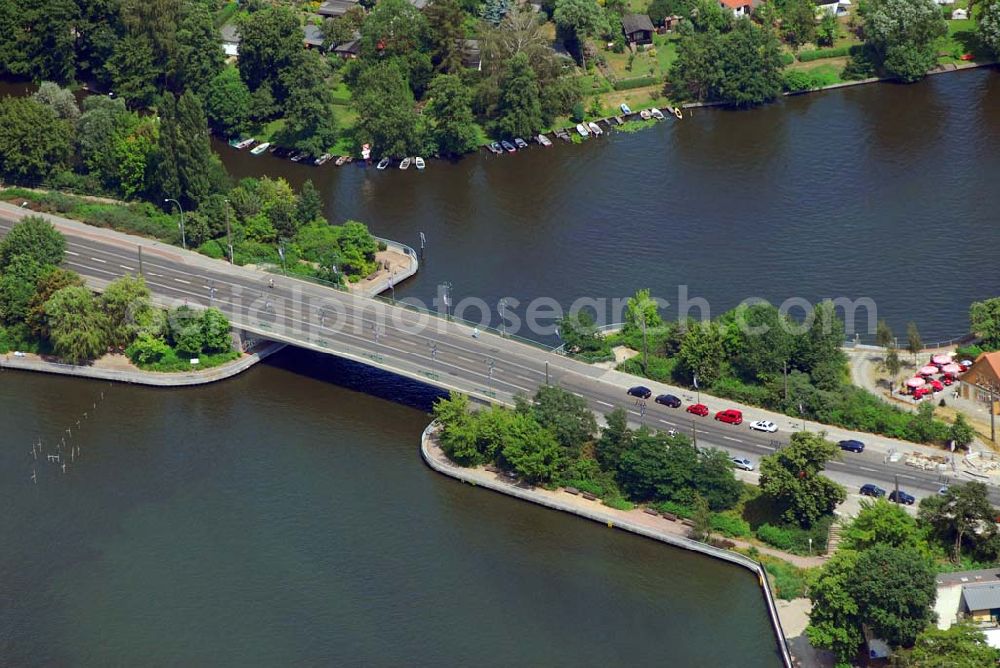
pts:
pixel 270 283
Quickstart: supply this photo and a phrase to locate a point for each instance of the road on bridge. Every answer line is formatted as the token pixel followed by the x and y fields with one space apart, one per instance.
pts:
pixel 416 344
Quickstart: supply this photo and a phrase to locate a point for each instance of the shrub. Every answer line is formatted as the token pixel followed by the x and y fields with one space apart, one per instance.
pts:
pixel 659 368
pixel 617 502
pixel 818 54
pixel 730 525
pixel 969 352
pixel 794 539
pixel 787 59
pixel 639 82
pixel 673 507
pixel 796 81
pixel 577 114
pixel 787 580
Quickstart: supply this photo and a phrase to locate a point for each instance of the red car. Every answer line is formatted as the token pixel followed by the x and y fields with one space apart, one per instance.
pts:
pixel 730 416
pixel 698 409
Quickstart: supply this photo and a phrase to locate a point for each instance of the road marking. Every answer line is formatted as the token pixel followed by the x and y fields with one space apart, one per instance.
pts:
pixel 604 403
pixel 730 438
pixel 577 394
pixel 181 280
pixel 149 273
pixel 868 468
pixel 69 252
pixel 126 268
pixel 97 259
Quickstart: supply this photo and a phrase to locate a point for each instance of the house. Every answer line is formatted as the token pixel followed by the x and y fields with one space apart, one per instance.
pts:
pixel 638 29
pixel 973 596
pixel 471 54
pixel 671 22
pixel 230 40
pixel 312 36
pixel 834 7
pixel 740 7
pixel 419 4
pixel 981 377
pixel 945 2
pixel 335 8
pixel 959 14
pixel 349 50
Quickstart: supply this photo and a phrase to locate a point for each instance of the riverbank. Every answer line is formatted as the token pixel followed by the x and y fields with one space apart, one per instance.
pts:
pixel 634 521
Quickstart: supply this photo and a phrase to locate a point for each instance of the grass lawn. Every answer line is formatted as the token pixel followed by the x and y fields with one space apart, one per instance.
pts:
pixel 961 39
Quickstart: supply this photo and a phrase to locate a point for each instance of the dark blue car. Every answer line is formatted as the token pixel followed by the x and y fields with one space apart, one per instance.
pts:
pixel 852 445
pixel 668 400
pixel 869 489
pixel 902 497
pixel 640 391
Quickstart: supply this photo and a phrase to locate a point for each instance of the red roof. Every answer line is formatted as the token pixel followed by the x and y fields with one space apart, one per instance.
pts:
pixel 734 4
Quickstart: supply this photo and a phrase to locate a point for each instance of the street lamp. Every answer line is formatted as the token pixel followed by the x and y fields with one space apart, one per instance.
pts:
pixel 181 224
pixel 503 320
pixel 229 233
pixel 447 300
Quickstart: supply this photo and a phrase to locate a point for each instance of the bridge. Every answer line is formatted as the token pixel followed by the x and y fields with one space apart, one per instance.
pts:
pixel 427 347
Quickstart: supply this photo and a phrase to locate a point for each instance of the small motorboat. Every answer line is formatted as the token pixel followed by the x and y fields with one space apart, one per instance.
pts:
pixel 562 134
pixel 595 128
pixel 656 113
pixel 520 143
pixel 240 144
pixel 677 112
pixel 340 160
pixel 645 115
pixel 348 159
pixel 297 157
pixel 582 129
pixel 418 162
pixel 405 163
pixel 322 160
pixel 625 109
pixel 543 140
pixel 619 120
pixel 260 148
pixel 507 146
pixel 382 164
pixel 495 148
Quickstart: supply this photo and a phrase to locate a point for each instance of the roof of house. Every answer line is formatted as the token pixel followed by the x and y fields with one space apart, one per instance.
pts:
pixel 419 4
pixel 737 4
pixel 230 33
pixel 348 47
pixel 985 596
pixel 312 35
pixel 336 7
pixel 471 54
pixel 985 370
pixel 635 22
pixel 968 577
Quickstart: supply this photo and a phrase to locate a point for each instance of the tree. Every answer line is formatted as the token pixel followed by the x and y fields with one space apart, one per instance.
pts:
pixel 103 123
pixel 656 468
pixel 394 29
pixel 227 103
pixel 792 477
pixel 835 618
pixel 764 342
pixel 961 646
pixel 615 440
pixel 384 103
pixel 216 332
pixel 641 313
pixel 449 109
pixel 883 334
pixel 42 36
pixel 17 285
pixel 133 72
pixel 880 522
pixel 828 30
pixel 147 349
pixel 310 205
pixel 48 284
pixel 984 317
pixel 185 330
pixel 60 100
pixel 310 124
pixel 579 334
pixel 446 30
pixel 199 51
pixel 132 153
pixel 577 20
pixel 519 109
pixel 914 344
pixel 33 237
pixel 701 519
pixel 78 328
pixel 195 159
pixel 702 353
pixel 34 141
pixel 798 21
pixel 989 26
pixel 127 303
pixel 565 415
pixel 715 481
pixel 892 365
pixel 900 35
pixel 962 432
pixel 530 449
pixel 270 38
pixel 962 515
pixel 457 436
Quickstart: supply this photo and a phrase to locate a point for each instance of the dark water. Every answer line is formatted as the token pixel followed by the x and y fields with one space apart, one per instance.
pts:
pixel 281 519
pixel 887 192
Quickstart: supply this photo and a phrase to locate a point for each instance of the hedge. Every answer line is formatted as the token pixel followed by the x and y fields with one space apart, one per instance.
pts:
pixel 818 54
pixel 641 82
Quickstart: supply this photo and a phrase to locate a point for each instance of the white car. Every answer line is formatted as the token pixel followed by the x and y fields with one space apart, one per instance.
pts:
pixel 743 463
pixel 764 425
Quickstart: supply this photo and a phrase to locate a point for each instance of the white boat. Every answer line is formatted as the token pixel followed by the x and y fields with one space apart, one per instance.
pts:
pixel 625 109
pixel 582 129
pixel 242 144
pixel 595 128
pixel 656 113
pixel 382 164
pixel 322 160
pixel 645 115
pixel 543 140
pixel 418 162
pixel 340 160
pixel 260 148
pixel 405 164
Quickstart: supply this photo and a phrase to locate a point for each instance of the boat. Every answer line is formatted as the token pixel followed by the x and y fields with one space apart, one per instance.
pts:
pixel 297 156
pixel 520 143
pixel 677 112
pixel 645 115
pixel 348 159
pixel 382 164
pixel 582 129
pixel 595 128
pixel 322 160
pixel 340 160
pixel 656 113
pixel 418 162
pixel 495 148
pixel 240 144
pixel 625 109
pixel 543 140
pixel 260 148
pixel 404 163
pixel 619 120
pixel 507 146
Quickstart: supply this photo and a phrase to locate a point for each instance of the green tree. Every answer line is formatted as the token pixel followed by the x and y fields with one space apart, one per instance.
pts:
pixel 989 26
pixel 615 440
pixel 765 344
pixel 310 124
pixel 702 353
pixel 577 20
pixel 715 481
pixel 394 29
pixel 565 415
pixel 195 160
pixel 701 519
pixel 185 331
pixel 384 103
pixel 127 303
pixel 133 153
pixel 531 450
pixel 270 38
pixel 961 646
pixel 881 522
pixel 446 31
pixel 914 344
pixel 883 334
pixel 579 334
pixel 199 51
pixel 34 141
pixel 133 72
pixel 449 109
pixel 961 517
pixel 309 207
pixel 892 365
pixel 984 318
pixel 962 432
pixel 900 35
pixel 835 618
pixel 41 34
pixel 48 284
pixel 60 100
pixel 457 436
pixel 798 21
pixel 148 349
pixel 17 285
pixel 828 30
pixel 519 109
pixel 103 124
pixel 216 332
pixel 77 326
pixel 34 237
pixel 793 478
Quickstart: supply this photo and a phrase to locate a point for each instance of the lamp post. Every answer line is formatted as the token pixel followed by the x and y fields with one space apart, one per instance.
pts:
pixel 447 300
pixel 503 319
pixel 181 224
pixel 229 234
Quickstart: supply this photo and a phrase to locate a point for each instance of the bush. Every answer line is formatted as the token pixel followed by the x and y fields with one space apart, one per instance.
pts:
pixel 640 82
pixel 968 352
pixel 796 81
pixel 673 507
pixel 787 581
pixel 659 369
pixel 818 54
pixel 794 539
pixel 787 59
pixel 730 525
pixel 617 502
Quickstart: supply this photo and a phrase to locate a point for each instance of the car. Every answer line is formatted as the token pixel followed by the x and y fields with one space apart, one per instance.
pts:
pixel 868 489
pixel 668 400
pixel 730 416
pixel 852 445
pixel 943 490
pixel 743 463
pixel 640 391
pixel 698 409
pixel 901 497
pixel 764 425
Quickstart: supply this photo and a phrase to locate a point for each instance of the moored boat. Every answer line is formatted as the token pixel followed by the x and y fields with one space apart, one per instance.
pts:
pixel 520 143
pixel 656 113
pixel 260 148
pixel 340 160
pixel 507 146
pixel 297 156
pixel 405 163
pixel 562 134
pixel 240 144
pixel 645 115
pixel 382 164
pixel 322 160
pixel 418 162
pixel 677 112
pixel 582 129
pixel 595 128
pixel 625 109
pixel 543 140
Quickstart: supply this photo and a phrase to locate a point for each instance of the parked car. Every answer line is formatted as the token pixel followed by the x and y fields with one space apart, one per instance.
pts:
pixel 743 463
pixel 943 490
pixel 507 146
pixel 901 497
pixel 640 391
pixel 698 409
pixel 869 489
pixel 764 425
pixel 668 400
pixel 852 445
pixel 730 416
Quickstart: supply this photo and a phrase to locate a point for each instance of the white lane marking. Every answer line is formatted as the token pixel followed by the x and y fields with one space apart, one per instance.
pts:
pixel 150 273
pixel 868 468
pixel 181 280
pixel 126 268
pixel 604 403
pixel 578 394
pixel 730 438
pixel 69 252
pixel 97 259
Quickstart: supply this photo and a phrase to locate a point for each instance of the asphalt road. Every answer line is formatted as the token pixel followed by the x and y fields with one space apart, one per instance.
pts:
pixel 414 344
